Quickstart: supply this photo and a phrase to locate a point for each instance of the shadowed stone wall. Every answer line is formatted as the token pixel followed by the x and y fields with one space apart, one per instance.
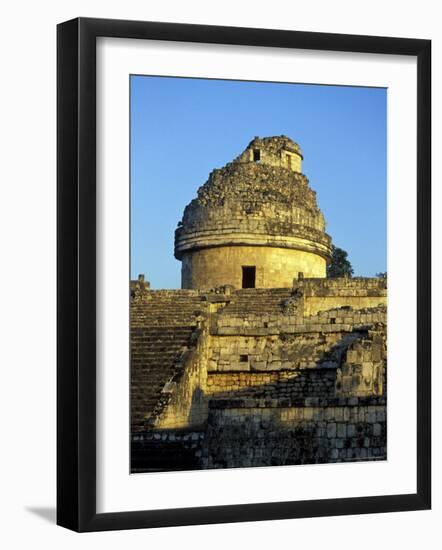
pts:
pixel 338 431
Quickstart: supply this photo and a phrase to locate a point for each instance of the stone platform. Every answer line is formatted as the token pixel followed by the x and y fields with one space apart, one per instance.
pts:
pixel 255 377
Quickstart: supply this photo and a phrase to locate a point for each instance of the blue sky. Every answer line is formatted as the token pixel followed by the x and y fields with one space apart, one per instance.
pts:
pixel 182 128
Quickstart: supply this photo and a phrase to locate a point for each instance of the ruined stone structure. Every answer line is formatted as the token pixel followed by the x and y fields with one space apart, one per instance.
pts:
pixel 255 223
pixel 286 373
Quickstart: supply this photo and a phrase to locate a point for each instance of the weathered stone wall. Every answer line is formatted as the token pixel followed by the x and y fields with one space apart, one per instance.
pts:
pixel 327 294
pixel 187 401
pixel 336 431
pixel 276 352
pixel 275 267
pixel 271 385
pixel 362 371
pixel 304 353
pixel 311 390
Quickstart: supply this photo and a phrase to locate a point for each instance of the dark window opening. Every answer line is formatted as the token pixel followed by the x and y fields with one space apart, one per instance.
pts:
pixel 248 276
pixel 243 358
pixel 256 155
pixel 333 320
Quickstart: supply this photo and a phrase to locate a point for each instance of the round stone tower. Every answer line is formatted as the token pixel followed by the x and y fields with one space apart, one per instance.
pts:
pixel 254 223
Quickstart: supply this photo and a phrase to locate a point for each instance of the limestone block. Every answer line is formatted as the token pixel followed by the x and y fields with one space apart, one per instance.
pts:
pixel 377 429
pixel 258 365
pixel 331 430
pixel 341 430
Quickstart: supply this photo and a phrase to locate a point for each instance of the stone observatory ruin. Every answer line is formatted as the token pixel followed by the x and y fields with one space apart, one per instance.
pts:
pixel 259 360
pixel 255 223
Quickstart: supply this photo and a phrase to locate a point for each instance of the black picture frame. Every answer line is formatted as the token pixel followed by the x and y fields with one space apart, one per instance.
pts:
pixel 76 272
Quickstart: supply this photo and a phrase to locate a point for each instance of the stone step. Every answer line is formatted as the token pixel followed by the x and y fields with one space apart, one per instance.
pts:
pixel 162 324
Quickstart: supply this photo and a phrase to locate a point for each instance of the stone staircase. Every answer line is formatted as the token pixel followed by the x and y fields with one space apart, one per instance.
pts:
pixel 162 324
pixel 256 301
pixel 165 308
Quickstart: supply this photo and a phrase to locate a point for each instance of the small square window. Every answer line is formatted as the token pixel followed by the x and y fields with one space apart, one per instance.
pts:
pixel 243 358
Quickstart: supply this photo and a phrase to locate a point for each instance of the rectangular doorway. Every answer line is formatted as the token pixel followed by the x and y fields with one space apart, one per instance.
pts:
pixel 248 276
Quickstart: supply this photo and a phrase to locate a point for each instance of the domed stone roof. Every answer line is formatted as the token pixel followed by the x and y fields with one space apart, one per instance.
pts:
pixel 261 198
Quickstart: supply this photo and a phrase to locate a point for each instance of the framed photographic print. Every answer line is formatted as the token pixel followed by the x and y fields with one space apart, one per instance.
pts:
pixel 243 270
